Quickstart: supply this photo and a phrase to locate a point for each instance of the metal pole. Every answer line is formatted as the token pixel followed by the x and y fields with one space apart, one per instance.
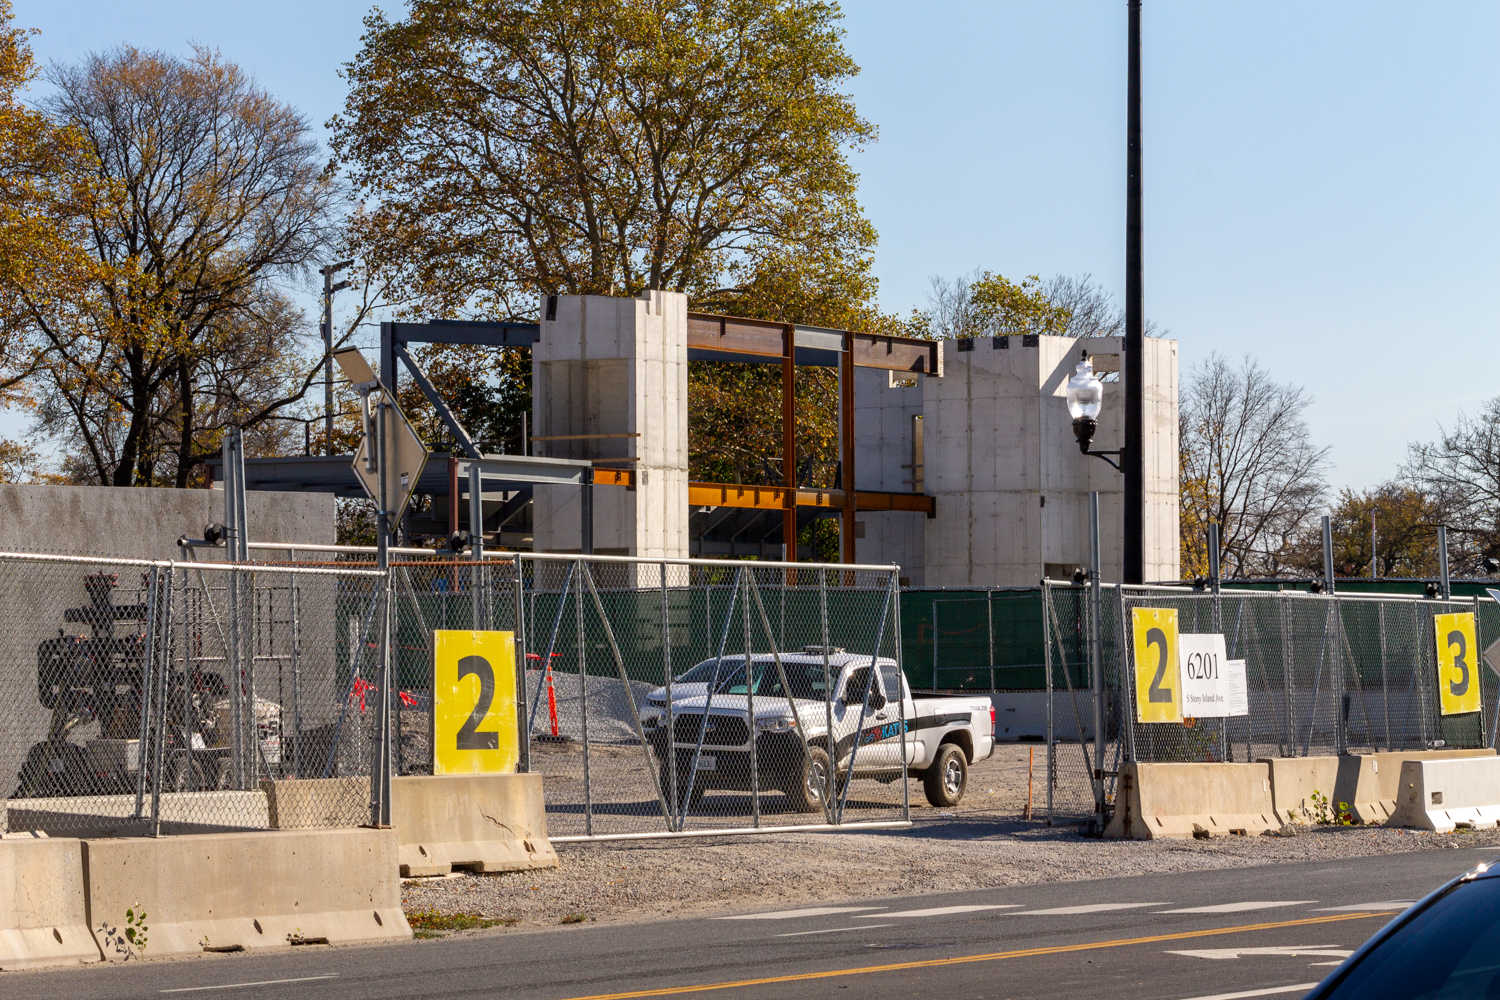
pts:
pixel 380 772
pixel 989 618
pixel 1213 582
pixel 328 361
pixel 583 700
pixel 1047 666
pixel 1134 458
pixel 1443 561
pixel 1096 661
pixel 586 512
pixel 476 542
pixel 833 744
pixel 1328 554
pixel 296 681
pixel 1374 562
pixel 523 635
pixel 749 663
pixel 671 739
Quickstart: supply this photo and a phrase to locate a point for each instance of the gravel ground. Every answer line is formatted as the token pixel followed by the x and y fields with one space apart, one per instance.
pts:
pixel 981 843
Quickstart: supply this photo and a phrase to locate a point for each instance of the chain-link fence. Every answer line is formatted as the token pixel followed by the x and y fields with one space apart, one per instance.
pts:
pixel 175 697
pixel 678 697
pixel 1324 675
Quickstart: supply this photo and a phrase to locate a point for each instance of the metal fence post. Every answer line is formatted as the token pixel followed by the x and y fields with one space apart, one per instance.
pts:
pixel 671 740
pixel 1096 661
pixel 522 640
pixel 749 664
pixel 148 670
pixel 1047 667
pixel 833 746
pixel 583 699
pixel 895 584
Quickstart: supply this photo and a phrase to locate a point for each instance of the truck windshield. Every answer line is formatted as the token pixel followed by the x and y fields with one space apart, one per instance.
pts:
pixel 1450 951
pixel 805 679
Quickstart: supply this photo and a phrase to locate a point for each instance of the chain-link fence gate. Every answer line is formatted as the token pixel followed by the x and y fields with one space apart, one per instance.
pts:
pixel 1325 674
pixel 667 698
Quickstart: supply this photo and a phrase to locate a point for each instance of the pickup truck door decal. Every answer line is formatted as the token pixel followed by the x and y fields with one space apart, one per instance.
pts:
pixel 893 730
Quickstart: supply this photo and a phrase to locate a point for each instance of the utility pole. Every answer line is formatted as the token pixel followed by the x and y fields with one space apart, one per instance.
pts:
pixel 1134 458
pixel 329 287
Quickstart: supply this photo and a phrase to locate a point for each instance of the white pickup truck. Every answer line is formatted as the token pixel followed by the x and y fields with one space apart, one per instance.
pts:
pixel 871 719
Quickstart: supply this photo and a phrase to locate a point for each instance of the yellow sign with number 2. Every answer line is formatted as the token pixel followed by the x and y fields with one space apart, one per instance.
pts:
pixel 474 727
pixel 1158 686
pixel 1457 659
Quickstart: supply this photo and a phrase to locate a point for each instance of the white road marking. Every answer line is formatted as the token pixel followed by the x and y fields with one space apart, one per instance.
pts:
pixel 1388 904
pixel 235 986
pixel 1086 908
pixel 1299 988
pixel 814 911
pixel 1241 907
pixel 1289 951
pixel 835 930
pixel 937 911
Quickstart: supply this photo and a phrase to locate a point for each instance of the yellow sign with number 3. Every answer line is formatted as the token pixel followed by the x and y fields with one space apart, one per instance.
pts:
pixel 474 727
pixel 1457 659
pixel 1158 686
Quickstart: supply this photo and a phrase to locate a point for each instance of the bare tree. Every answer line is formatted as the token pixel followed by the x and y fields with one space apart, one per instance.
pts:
pixel 206 191
pixel 1247 464
pixel 1460 472
pixel 1091 310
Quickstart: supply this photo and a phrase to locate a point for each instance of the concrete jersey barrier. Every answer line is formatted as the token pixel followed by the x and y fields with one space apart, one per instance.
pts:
pixel 1442 794
pixel 1192 800
pixel 486 822
pixel 43 909
pixel 1366 783
pixel 239 891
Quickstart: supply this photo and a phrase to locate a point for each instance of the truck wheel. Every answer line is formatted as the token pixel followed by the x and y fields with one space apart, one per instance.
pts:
pixel 945 780
pixel 805 795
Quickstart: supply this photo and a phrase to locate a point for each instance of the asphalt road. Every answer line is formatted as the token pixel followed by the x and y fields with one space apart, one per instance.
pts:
pixel 1268 931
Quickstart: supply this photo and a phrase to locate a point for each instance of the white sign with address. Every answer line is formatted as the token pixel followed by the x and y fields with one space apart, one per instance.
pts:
pixel 1213 686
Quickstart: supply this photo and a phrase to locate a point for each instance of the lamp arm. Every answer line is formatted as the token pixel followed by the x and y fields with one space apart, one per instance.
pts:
pixel 1105 455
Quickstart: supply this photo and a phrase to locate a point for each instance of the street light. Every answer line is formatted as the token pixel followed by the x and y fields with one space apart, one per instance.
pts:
pixel 1085 395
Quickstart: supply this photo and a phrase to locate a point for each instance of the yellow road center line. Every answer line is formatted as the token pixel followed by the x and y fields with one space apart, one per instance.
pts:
pixel 991 957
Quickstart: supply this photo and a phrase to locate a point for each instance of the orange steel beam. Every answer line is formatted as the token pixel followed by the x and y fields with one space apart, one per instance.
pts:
pixel 775 498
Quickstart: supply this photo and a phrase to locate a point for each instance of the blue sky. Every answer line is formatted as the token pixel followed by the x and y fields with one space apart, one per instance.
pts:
pixel 1320 179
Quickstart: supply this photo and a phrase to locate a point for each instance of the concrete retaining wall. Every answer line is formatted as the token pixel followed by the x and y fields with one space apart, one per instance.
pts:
pixel 43 915
pixel 1442 794
pixel 487 822
pixel 234 891
pixel 1192 800
pixel 114 815
pixel 1368 783
pixel 315 803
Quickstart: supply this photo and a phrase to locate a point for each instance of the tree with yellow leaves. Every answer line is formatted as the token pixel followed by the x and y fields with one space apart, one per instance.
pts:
pixel 41 253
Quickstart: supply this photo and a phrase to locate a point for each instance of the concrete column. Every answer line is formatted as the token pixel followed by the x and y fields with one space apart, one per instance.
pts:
pixel 613 373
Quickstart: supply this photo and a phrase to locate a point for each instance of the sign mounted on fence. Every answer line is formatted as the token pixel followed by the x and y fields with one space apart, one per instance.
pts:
pixel 1458 666
pixel 1213 685
pixel 1158 687
pixel 474 727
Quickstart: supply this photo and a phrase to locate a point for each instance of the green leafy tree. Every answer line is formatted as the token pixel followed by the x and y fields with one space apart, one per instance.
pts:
pixel 516 147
